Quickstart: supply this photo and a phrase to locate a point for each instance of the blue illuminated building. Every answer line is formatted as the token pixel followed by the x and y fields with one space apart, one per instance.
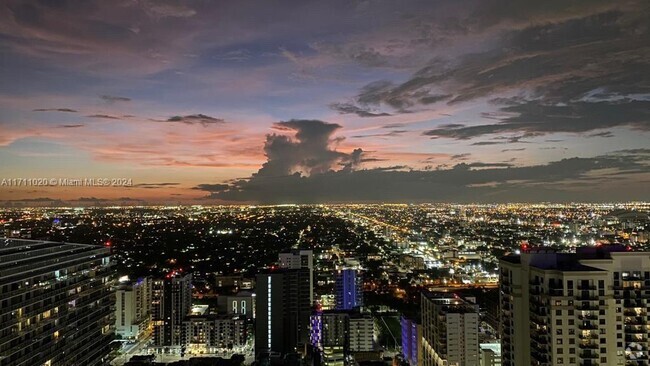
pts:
pixel 349 293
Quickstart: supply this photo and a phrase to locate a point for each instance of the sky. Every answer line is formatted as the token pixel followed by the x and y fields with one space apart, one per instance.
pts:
pixel 213 102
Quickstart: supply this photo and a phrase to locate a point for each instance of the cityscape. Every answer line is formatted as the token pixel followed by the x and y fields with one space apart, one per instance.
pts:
pixel 347 284
pixel 324 183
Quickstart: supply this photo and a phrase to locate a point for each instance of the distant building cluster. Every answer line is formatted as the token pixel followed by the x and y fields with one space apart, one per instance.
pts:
pixel 393 285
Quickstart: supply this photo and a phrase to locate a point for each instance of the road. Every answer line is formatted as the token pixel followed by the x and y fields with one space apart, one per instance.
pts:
pixel 131 349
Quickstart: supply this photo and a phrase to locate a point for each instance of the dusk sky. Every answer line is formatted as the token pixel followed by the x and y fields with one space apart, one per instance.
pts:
pixel 209 102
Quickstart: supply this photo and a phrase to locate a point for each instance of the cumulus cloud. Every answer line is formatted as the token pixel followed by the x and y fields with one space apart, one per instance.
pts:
pixel 307 152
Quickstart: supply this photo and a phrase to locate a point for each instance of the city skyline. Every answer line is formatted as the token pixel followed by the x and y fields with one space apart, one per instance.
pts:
pixel 309 102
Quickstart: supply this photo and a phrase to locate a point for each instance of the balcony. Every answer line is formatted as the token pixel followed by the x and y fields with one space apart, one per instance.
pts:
pixel 588 362
pixel 588 355
pixel 635 329
pixel 556 292
pixel 586 297
pixel 535 291
pixel 588 336
pixel 636 338
pixel 541 339
pixel 587 307
pixel 587 287
pixel 587 326
pixel 634 321
pixel 589 316
pixel 588 345
pixel 634 303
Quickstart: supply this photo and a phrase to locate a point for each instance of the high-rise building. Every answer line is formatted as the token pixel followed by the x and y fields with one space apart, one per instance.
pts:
pixel 133 307
pixel 282 309
pixel 363 332
pixel 297 259
pixel 172 299
pixel 338 334
pixel 583 308
pixel 411 341
pixel 449 330
pixel 55 303
pixel 330 337
pixel 349 289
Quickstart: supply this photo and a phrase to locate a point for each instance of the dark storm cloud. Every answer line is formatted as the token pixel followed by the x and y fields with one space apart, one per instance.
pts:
pixel 202 119
pixel 33 202
pixel 577 70
pixel 489 165
pixel 476 182
pixel 398 97
pixel 114 98
pixel 308 151
pixel 91 199
pixel 535 118
pixel 212 187
pixel 348 108
pixel 67 110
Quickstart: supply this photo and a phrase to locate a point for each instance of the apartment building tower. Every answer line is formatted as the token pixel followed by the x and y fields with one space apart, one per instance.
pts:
pixel 449 330
pixel 172 299
pixel 282 308
pixel 584 308
pixel 133 307
pixel 55 303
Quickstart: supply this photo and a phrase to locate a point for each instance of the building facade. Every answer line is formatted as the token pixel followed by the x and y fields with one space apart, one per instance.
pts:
pixel 133 308
pixel 449 330
pixel 282 310
pixel 583 308
pixel 300 259
pixel 55 303
pixel 243 303
pixel 214 333
pixel 349 289
pixel 172 299
pixel 363 332
pixel 490 354
pixel 411 341
pixel 337 335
